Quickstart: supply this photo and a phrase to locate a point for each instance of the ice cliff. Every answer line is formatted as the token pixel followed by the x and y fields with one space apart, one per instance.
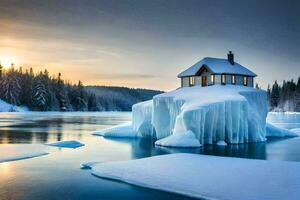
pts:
pixel 234 114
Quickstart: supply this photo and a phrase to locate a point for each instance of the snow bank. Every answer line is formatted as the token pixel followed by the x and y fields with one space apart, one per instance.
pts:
pixel 234 114
pixel 209 176
pixel 273 131
pixel 187 139
pixel 6 107
pixel 122 130
pixel 67 144
pixel 11 152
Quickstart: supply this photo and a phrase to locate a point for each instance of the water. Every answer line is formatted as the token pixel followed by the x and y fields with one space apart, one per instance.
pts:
pixel 58 175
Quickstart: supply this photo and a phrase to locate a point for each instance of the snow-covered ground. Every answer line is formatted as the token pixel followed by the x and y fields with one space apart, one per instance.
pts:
pixel 12 152
pixel 6 107
pixel 67 144
pixel 209 177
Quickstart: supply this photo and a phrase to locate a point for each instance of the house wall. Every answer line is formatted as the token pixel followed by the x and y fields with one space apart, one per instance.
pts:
pixel 228 79
pixel 185 82
pixel 217 79
pixel 239 80
pixel 197 80
pixel 250 82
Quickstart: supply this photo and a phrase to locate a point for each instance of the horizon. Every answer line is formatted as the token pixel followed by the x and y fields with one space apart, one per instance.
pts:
pixel 142 44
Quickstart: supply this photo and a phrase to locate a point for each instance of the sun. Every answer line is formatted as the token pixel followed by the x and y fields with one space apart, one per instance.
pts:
pixel 6 61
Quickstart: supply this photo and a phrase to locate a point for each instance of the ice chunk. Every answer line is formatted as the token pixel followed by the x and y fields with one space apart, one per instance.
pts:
pixel 221 143
pixel 67 144
pixel 209 177
pixel 234 114
pixel 122 130
pixel 187 139
pixel 11 152
pixel 273 131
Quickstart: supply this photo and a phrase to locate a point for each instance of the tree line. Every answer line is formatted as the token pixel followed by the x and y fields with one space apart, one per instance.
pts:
pixel 42 92
pixel 284 97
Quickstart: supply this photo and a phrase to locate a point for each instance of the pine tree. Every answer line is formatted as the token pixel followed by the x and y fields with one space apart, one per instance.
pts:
pixel 92 103
pixel 39 94
pixel 11 88
pixel 274 100
pixel 61 94
pixel 297 96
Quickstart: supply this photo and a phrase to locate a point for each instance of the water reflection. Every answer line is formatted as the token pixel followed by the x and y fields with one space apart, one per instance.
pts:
pixel 58 175
pixel 36 127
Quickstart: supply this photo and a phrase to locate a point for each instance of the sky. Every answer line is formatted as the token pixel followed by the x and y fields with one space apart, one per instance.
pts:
pixel 146 43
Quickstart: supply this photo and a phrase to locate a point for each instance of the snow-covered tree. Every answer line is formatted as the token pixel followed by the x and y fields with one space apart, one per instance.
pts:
pixel 39 94
pixel 11 89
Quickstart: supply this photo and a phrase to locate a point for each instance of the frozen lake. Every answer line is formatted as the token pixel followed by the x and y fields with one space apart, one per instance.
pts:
pixel 58 175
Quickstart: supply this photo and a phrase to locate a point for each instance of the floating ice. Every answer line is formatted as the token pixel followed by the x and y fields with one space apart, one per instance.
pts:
pixel 273 131
pixel 234 114
pixel 67 144
pixel 122 130
pixel 296 130
pixel 12 152
pixel 209 177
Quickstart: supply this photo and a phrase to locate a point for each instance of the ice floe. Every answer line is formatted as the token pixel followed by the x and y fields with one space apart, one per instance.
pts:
pixel 12 152
pixel 67 144
pixel 122 130
pixel 273 131
pixel 208 177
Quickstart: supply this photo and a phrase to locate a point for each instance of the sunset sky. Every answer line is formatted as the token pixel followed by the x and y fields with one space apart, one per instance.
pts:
pixel 146 43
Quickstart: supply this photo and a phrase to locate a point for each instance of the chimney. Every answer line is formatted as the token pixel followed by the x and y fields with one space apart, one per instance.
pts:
pixel 230 57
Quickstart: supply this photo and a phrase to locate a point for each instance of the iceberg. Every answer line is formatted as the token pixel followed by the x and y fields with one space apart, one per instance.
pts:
pixel 209 177
pixel 67 144
pixel 230 113
pixel 234 114
pixel 13 152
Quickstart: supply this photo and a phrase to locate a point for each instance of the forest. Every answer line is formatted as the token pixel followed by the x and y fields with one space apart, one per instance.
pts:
pixel 42 92
pixel 284 97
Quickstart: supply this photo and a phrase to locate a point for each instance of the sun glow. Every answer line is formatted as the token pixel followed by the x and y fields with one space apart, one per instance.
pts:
pixel 7 61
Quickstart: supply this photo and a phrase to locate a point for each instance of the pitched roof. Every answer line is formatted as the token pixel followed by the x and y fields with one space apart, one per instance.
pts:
pixel 217 66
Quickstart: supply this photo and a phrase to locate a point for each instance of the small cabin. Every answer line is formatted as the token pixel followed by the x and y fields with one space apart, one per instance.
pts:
pixel 212 71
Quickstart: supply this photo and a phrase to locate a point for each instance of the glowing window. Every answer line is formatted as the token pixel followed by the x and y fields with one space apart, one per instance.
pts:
pixel 192 80
pixel 212 79
pixel 245 80
pixel 233 79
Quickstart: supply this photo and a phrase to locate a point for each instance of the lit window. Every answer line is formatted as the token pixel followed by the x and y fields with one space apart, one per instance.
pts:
pixel 223 78
pixel 192 80
pixel 212 79
pixel 233 79
pixel 245 80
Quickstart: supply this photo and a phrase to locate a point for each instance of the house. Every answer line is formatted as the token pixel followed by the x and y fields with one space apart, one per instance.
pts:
pixel 211 71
